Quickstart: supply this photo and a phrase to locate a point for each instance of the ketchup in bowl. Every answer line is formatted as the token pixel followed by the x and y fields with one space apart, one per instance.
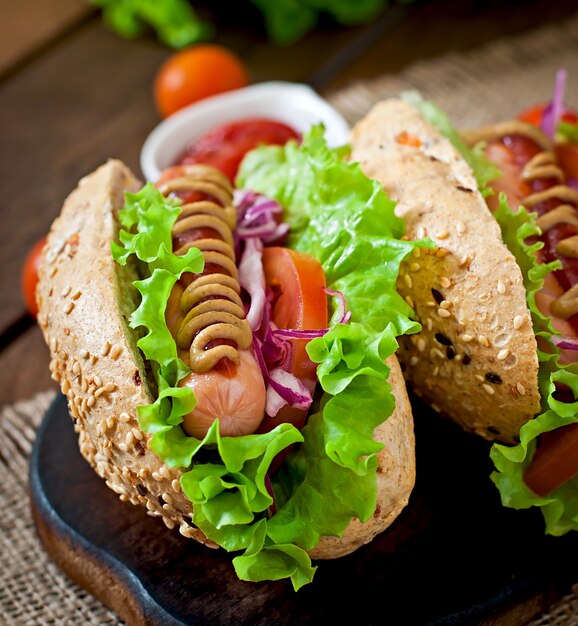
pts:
pixel 225 146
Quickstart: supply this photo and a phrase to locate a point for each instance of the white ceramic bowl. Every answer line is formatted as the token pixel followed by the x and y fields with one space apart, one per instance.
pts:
pixel 293 103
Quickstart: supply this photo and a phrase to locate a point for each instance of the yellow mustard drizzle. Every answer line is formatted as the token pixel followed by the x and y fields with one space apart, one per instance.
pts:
pixel 222 316
pixel 568 247
pixel 493 132
pixel 542 165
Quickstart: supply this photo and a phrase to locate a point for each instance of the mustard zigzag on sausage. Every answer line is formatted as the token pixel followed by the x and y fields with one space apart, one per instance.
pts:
pixel 547 194
pixel 211 303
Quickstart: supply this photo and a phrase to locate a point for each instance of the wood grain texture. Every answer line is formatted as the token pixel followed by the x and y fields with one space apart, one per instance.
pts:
pixel 28 25
pixel 24 368
pixel 80 103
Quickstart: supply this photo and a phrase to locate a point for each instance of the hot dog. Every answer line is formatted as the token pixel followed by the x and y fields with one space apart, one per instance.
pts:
pixel 139 405
pixel 532 177
pixel 487 297
pixel 207 316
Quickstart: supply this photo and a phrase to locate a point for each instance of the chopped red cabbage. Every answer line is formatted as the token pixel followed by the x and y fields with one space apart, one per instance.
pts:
pixel 565 342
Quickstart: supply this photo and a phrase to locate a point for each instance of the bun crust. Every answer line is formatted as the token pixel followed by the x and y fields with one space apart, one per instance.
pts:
pixel 85 299
pixel 476 357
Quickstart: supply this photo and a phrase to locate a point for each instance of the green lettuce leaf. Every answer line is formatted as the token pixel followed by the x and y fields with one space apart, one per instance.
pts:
pixel 347 222
pixel 174 21
pixel 290 20
pixel 342 218
pixel 483 169
pixel 329 476
pixel 177 24
pixel 567 131
pixel 560 508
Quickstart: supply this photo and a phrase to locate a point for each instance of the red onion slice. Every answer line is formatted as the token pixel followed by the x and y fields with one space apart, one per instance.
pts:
pixel 256 216
pixel 285 388
pixel 275 402
pixel 565 342
pixel 252 278
pixel 260 358
pixel 299 334
pixel 342 314
pixel 554 110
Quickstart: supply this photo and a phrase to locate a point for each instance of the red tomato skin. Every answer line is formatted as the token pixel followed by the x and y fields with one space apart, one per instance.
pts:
pixel 534 114
pixel 196 73
pixel 225 146
pixel 302 305
pixel 302 302
pixel 555 460
pixel 29 277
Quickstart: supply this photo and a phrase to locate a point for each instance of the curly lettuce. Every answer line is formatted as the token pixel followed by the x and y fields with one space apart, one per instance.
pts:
pixel 329 476
pixel 559 508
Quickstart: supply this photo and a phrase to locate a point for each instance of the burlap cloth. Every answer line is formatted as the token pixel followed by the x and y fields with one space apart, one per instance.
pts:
pixel 488 84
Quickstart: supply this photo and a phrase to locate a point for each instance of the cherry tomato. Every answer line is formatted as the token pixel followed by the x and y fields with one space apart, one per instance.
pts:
pixel 225 146
pixel 195 73
pixel 555 460
pixel 29 277
pixel 298 282
pixel 534 114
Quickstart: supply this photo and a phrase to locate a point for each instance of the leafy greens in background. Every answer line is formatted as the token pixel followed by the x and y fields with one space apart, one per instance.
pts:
pixel 345 220
pixel 177 24
pixel 175 21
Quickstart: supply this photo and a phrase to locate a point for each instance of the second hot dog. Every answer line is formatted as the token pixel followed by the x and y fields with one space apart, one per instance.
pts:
pixel 488 356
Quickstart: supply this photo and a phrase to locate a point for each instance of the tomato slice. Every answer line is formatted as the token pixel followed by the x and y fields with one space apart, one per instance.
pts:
pixel 555 460
pixel 29 277
pixel 298 282
pixel 534 114
pixel 225 146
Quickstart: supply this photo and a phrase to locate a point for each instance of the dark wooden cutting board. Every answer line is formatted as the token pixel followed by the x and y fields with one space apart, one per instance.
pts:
pixel 454 556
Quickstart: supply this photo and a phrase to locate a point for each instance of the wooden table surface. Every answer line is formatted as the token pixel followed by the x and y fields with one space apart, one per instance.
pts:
pixel 73 94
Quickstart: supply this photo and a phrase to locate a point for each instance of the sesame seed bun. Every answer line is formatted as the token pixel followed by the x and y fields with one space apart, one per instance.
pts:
pixel 85 299
pixel 476 358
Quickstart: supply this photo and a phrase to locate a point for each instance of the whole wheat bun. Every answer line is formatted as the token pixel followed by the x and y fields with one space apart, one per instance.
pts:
pixel 476 358
pixel 85 299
